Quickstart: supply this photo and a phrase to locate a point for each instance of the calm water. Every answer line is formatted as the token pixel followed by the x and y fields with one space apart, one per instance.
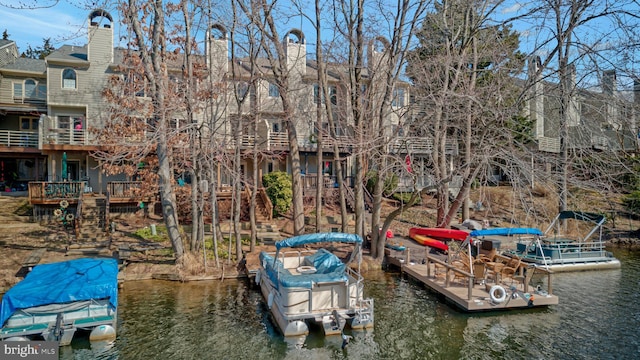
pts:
pixel 597 318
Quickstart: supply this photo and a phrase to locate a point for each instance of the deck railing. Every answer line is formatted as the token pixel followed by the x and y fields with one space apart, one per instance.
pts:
pixel 27 139
pixel 124 190
pixel 50 192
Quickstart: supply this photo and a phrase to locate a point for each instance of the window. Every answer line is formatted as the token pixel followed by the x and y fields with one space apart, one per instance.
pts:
pixel 332 94
pixel 29 123
pixel 17 90
pixel 134 85
pixel 398 98
pixel 316 93
pixel 273 90
pixel 69 79
pixel 242 89
pixel 29 89
pixel 276 127
pixel 69 122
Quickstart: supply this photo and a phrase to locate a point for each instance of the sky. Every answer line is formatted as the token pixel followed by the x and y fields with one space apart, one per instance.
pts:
pixel 28 22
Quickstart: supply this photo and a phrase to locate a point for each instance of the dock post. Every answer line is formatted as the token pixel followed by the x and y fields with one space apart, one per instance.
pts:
pixel 472 280
pixel 549 286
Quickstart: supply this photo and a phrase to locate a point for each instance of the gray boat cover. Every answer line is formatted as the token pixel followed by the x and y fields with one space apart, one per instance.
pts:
pixel 63 282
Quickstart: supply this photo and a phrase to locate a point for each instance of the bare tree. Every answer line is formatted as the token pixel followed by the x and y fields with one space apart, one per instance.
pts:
pixel 579 42
pixel 149 64
pixel 262 14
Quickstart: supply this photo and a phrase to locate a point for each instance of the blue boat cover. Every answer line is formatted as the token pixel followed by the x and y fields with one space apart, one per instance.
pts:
pixel 329 268
pixel 506 232
pixel 63 282
pixel 317 238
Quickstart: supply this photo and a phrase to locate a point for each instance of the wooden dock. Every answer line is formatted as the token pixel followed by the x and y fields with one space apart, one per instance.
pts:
pixel 472 292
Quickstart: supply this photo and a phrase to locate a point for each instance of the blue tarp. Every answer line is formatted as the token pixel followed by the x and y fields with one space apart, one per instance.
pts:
pixel 63 282
pixel 317 238
pixel 329 268
pixel 506 232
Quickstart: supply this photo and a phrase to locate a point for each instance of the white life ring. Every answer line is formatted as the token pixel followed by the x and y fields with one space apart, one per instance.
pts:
pixel 258 278
pixel 498 294
pixel 270 300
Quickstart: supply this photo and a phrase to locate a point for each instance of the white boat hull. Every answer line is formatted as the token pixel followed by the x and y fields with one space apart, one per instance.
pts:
pixel 579 266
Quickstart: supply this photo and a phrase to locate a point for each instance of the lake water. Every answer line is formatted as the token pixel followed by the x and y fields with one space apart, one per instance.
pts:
pixel 597 318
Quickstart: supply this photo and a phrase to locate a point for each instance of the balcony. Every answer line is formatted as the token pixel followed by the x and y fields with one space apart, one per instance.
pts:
pixel 16 138
pixel 420 146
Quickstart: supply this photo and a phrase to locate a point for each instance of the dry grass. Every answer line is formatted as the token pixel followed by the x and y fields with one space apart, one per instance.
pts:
pixel 190 264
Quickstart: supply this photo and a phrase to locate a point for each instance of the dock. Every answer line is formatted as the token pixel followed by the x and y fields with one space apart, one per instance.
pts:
pixel 480 289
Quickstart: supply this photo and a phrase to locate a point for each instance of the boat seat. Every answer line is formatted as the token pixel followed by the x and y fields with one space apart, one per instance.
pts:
pixel 324 261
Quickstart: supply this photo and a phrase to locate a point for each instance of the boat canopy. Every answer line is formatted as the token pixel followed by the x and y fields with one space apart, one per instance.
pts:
pixel 579 215
pixel 63 282
pixel 506 232
pixel 318 238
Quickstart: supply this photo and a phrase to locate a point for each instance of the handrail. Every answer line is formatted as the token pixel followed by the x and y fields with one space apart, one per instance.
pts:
pixel 267 202
pixel 78 218
pixel 106 213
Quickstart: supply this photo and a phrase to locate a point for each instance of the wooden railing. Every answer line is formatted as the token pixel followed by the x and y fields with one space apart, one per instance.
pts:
pixel 43 192
pixel 19 138
pixel 126 192
pixel 77 221
pixel 262 192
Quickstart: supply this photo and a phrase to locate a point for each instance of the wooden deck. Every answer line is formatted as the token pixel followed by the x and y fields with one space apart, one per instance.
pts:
pixel 472 293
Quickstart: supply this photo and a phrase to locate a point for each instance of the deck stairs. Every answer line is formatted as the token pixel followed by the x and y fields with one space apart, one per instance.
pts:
pixel 266 233
pixel 93 219
pixel 350 196
pixel 92 238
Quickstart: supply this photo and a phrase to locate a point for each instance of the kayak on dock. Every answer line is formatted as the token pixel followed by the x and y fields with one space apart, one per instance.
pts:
pixel 436 237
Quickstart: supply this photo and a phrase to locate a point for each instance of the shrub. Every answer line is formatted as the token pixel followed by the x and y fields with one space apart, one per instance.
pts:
pixel 278 187
pixel 390 183
pixel 632 202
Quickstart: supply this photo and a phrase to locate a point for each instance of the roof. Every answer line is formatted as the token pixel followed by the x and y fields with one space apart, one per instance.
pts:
pixel 63 282
pixel 4 42
pixel 26 65
pixel 68 53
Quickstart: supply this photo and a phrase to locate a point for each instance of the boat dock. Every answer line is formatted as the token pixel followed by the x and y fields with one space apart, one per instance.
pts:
pixel 486 287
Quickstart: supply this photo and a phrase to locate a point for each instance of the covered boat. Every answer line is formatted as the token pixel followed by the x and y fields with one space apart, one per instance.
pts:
pixel 55 300
pixel 303 285
pixel 559 252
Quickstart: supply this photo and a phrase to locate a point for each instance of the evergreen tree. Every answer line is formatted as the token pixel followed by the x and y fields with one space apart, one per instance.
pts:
pixel 40 52
pixel 463 72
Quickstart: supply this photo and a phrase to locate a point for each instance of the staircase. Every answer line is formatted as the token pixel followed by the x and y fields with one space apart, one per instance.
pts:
pixel 92 222
pixel 351 199
pixel 263 210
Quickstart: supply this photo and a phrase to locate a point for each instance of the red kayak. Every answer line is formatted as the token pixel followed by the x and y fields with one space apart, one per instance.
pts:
pixel 434 237
pixel 440 233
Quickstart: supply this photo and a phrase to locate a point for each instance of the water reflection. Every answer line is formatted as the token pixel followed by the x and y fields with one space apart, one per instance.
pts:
pixel 596 318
